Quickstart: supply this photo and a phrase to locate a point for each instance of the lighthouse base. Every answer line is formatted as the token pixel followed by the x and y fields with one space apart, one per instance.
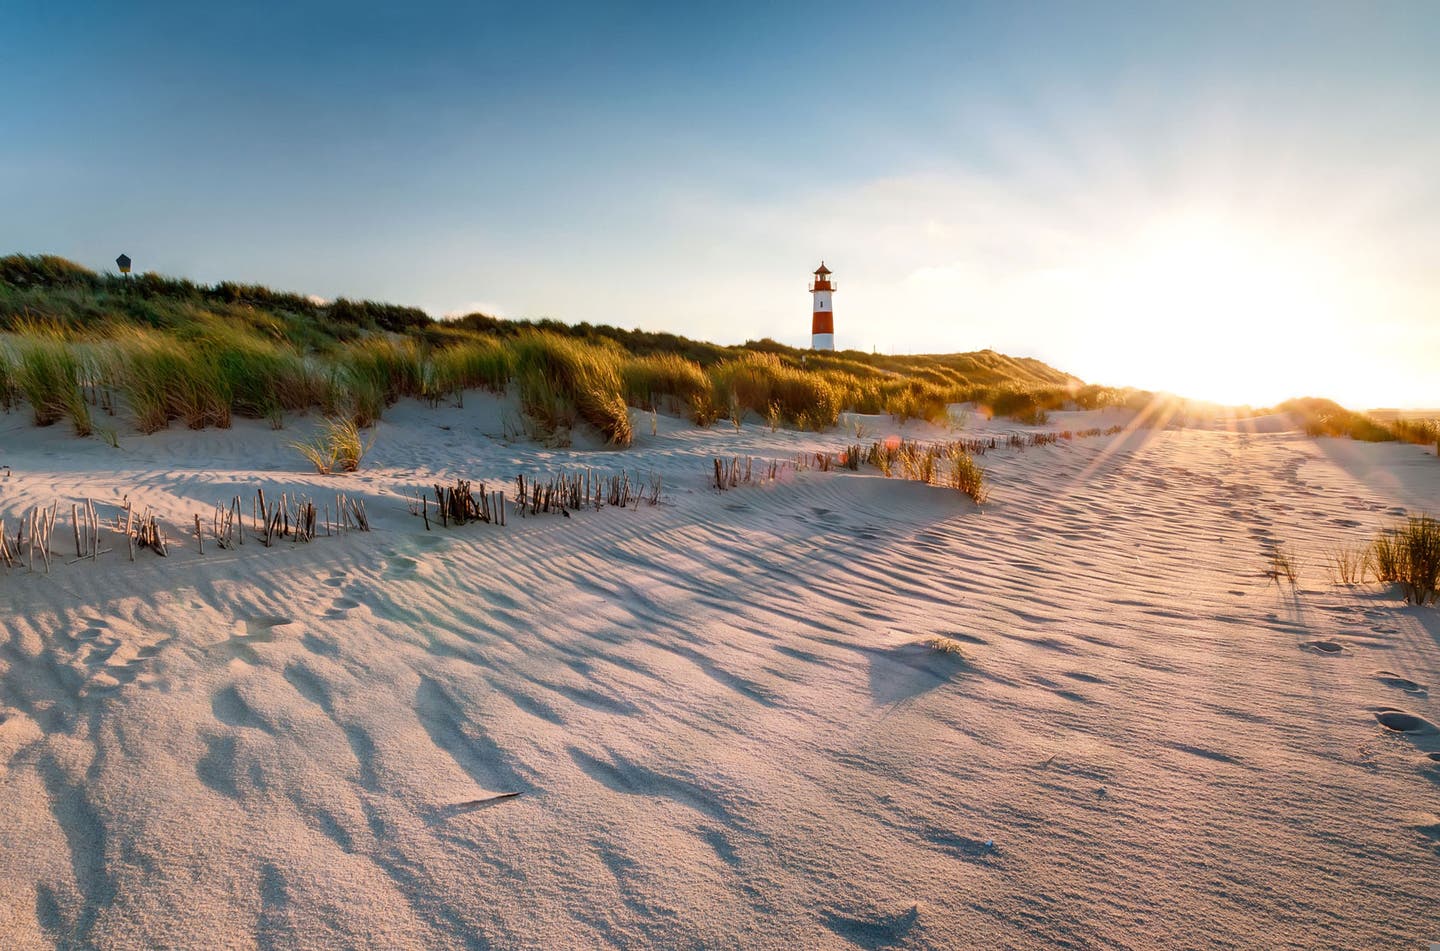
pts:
pixel 822 342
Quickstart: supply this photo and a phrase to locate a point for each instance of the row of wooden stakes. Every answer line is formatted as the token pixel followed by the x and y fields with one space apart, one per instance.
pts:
pixel 566 492
pixel 459 504
pixel 297 518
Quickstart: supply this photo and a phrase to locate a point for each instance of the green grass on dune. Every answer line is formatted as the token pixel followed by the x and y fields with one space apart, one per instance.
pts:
pixel 49 373
pixel 554 369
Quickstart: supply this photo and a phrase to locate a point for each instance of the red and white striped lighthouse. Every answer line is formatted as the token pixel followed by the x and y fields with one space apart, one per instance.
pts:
pixel 822 325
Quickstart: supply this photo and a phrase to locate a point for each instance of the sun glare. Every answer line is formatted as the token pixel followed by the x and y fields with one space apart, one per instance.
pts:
pixel 1215 312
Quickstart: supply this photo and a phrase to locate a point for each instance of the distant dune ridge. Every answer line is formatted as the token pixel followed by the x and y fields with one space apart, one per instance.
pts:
pixel 85 348
pixel 162 349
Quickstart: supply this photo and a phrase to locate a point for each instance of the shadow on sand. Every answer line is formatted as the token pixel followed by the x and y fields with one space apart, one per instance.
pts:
pixel 900 674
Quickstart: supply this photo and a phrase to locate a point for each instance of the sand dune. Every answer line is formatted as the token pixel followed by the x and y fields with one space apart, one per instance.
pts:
pixel 720 714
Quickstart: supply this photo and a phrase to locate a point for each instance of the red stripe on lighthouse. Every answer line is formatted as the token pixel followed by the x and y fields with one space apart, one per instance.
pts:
pixel 824 322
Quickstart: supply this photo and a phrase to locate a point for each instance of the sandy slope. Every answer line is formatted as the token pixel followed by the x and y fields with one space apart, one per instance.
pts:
pixel 722 724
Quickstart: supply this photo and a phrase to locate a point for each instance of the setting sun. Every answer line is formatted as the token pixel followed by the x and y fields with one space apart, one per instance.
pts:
pixel 1222 314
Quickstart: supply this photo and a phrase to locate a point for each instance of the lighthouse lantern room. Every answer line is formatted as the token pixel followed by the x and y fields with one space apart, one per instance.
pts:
pixel 822 325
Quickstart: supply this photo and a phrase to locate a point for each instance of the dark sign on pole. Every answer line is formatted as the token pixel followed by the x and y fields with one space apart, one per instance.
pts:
pixel 124 262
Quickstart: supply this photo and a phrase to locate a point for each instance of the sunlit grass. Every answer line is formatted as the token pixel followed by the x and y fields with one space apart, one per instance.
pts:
pixel 648 380
pixel 554 370
pixel 1409 555
pixel 338 447
pixel 47 372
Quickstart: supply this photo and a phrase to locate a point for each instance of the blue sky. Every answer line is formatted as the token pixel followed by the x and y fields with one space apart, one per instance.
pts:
pixel 1234 201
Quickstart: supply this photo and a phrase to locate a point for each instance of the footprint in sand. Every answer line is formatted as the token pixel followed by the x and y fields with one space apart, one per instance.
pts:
pixel 1323 647
pixel 258 630
pixel 873 930
pixel 401 567
pixel 1429 829
pixel 340 607
pixel 1398 721
pixel 232 709
pixel 1390 679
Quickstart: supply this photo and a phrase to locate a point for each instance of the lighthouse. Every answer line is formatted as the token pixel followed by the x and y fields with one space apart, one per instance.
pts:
pixel 822 324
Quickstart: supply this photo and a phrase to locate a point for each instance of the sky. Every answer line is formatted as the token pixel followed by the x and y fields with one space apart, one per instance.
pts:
pixel 1229 201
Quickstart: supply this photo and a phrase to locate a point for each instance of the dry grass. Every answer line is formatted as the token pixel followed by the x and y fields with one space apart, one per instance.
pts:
pixel 1348 564
pixel 338 447
pixel 947 645
pixel 1281 566
pixel 965 475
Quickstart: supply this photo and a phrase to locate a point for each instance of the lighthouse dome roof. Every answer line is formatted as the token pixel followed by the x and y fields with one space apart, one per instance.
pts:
pixel 822 269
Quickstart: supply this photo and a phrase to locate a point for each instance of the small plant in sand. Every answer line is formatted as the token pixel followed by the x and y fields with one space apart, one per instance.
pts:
pixel 1348 564
pixel 857 429
pixel 941 644
pixel 1281 566
pixel 338 447
pixel 967 476
pixel 1410 557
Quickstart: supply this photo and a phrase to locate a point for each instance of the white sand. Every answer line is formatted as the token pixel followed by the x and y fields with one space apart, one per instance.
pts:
pixel 718 713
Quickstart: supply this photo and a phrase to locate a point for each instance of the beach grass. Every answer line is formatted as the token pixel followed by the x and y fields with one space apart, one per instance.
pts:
pixel 9 390
pixel 1281 565
pixel 1409 555
pixel 339 446
pixel 554 371
pixel 47 372
pixel 965 475
pixel 650 380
